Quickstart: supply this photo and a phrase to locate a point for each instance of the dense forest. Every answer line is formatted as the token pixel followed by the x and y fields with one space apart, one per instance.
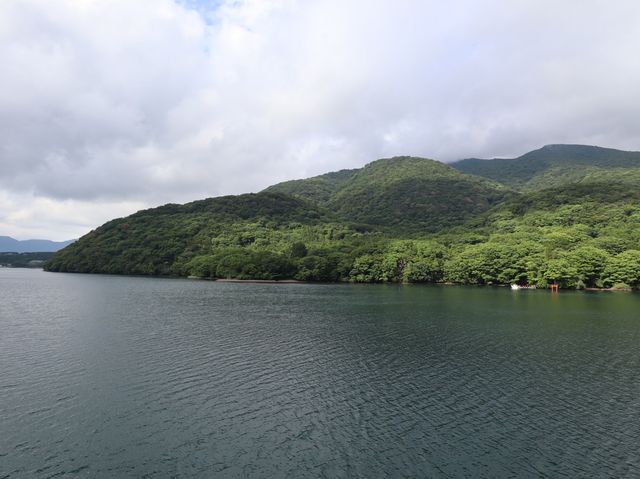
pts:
pixel 564 214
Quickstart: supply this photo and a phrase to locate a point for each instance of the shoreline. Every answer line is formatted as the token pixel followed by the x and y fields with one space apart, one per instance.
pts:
pixel 259 281
pixel 294 281
pixel 447 283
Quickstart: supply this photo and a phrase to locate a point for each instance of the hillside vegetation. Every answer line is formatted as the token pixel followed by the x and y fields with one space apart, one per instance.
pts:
pixel 402 219
pixel 319 188
pixel 561 163
pixel 406 194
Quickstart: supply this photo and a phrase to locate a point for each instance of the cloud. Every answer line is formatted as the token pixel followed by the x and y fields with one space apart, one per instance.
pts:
pixel 26 216
pixel 112 106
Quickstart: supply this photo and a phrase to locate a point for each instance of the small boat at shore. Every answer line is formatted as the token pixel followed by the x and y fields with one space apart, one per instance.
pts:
pixel 516 287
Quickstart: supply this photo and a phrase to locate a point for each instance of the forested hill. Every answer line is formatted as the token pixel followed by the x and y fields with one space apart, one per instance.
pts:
pixel 405 194
pixel 319 188
pixel 558 163
pixel 567 214
pixel 159 241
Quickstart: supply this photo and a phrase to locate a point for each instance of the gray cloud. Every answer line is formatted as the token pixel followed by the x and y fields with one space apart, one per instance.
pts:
pixel 112 106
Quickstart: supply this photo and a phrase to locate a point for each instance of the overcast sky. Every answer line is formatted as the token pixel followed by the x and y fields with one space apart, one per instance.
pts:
pixel 110 106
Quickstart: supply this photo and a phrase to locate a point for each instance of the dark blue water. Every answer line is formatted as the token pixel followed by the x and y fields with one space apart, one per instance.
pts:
pixel 105 376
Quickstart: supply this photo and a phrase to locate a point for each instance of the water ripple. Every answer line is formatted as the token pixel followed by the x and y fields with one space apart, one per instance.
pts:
pixel 132 377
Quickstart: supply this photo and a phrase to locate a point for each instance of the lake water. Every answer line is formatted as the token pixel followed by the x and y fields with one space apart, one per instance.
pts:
pixel 106 376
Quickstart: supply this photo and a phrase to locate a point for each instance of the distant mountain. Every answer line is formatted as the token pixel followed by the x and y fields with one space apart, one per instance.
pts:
pixel 558 164
pixel 10 245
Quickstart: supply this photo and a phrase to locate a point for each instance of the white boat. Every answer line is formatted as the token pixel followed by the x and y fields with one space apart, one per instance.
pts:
pixel 528 286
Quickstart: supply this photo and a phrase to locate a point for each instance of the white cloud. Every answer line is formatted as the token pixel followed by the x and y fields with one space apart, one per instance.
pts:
pixel 112 106
pixel 26 216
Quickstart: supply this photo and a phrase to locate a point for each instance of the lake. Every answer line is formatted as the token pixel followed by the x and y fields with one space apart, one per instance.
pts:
pixel 107 376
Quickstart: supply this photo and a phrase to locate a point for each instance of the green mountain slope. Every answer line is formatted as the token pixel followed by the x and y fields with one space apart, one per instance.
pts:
pixel 413 194
pixel 318 188
pixel 576 235
pixel 160 240
pixel 576 222
pixel 558 163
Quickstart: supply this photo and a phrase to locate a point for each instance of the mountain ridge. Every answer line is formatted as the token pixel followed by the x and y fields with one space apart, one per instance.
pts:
pixel 572 220
pixel 518 172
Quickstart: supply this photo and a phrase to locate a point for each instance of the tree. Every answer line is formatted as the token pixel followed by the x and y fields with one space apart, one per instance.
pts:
pixel 590 263
pixel 623 268
pixel 561 271
pixel 366 269
pixel 316 268
pixel 298 250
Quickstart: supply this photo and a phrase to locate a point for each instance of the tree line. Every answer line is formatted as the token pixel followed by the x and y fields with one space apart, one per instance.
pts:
pixel 419 261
